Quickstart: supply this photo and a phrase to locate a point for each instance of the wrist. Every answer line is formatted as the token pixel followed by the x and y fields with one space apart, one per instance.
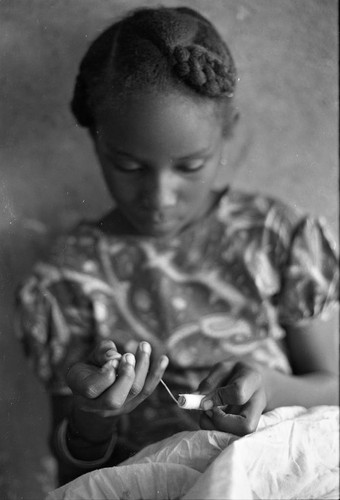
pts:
pixel 91 427
pixel 267 385
pixel 271 379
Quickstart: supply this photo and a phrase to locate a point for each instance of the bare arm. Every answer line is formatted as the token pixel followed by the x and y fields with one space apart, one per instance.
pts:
pixel 314 356
pixel 238 393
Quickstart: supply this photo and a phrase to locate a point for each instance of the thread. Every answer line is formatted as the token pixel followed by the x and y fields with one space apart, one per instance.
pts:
pixel 170 393
pixel 190 401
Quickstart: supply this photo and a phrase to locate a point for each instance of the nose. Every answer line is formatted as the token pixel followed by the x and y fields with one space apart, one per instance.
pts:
pixel 161 191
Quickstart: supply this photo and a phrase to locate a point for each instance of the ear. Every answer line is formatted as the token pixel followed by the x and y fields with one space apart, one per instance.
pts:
pixel 225 151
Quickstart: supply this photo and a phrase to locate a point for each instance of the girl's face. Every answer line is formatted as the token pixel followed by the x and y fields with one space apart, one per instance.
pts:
pixel 160 156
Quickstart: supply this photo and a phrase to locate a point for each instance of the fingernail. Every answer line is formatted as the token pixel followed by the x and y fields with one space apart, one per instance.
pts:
pixel 145 347
pixel 112 353
pixel 207 404
pixel 129 358
pixel 164 362
pixel 115 363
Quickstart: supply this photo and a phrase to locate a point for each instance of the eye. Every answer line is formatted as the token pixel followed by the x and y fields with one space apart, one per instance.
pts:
pixel 127 166
pixel 191 166
pixel 124 164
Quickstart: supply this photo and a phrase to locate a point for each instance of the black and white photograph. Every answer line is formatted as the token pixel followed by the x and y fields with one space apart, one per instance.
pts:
pixel 169 250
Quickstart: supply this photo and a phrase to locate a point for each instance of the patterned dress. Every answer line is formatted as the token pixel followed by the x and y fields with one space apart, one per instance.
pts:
pixel 224 288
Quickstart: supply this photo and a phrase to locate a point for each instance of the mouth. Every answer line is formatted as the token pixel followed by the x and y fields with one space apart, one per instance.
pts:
pixel 159 216
pixel 159 221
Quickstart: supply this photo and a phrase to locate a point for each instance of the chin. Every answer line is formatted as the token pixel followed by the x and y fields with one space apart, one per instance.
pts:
pixel 158 232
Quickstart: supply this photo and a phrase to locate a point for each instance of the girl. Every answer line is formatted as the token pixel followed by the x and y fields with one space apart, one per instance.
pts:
pixel 214 290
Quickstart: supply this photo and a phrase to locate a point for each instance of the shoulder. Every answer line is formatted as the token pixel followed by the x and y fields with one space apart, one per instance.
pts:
pixel 72 254
pixel 77 246
pixel 242 211
pixel 84 241
pixel 82 257
pixel 237 204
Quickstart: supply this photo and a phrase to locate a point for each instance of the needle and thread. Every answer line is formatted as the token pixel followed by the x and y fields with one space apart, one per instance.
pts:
pixel 180 402
pixel 184 401
pixel 170 393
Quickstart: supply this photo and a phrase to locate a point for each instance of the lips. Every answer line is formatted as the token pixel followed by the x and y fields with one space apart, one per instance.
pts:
pixel 158 223
pixel 158 216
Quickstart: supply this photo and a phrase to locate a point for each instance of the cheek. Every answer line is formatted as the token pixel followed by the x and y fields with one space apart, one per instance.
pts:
pixel 123 193
pixel 205 184
pixel 120 187
pixel 195 194
pixel 197 189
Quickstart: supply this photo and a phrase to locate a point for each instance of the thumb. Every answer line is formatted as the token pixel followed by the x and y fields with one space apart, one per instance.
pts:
pixel 218 397
pixel 90 381
pixel 103 352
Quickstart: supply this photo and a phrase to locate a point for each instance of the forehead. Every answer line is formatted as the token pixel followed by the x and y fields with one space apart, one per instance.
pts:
pixel 164 125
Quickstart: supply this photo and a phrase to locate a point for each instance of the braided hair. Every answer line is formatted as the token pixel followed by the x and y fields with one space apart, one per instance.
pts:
pixel 154 48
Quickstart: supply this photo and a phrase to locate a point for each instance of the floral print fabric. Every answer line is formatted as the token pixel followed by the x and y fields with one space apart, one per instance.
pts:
pixel 224 288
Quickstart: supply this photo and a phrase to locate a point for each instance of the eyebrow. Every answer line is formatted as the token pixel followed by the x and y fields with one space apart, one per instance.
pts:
pixel 197 154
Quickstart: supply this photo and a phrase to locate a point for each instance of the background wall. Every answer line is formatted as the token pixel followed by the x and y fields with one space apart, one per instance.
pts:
pixel 286 54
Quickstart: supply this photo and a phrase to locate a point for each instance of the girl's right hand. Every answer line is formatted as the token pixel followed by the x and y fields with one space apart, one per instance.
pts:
pixel 109 384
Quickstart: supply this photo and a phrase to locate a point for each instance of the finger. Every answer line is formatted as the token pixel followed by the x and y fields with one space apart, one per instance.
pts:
pixel 205 422
pixel 103 352
pixel 155 355
pixel 90 381
pixel 142 368
pixel 219 373
pixel 116 395
pixel 114 400
pixel 238 390
pixel 246 421
pixel 154 376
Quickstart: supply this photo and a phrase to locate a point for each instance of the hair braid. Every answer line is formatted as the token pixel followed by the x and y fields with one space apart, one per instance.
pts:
pixel 208 66
pixel 203 71
pixel 154 48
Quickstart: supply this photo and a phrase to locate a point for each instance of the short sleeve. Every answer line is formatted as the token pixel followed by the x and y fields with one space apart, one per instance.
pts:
pixel 310 275
pixel 53 322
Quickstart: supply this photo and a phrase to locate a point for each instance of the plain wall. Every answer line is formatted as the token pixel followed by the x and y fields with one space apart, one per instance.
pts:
pixel 286 145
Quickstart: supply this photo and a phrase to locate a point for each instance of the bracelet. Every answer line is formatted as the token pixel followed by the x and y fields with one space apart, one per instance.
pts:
pixel 75 434
pixel 83 464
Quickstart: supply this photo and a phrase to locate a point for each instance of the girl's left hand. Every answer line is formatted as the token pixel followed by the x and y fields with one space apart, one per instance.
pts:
pixel 235 398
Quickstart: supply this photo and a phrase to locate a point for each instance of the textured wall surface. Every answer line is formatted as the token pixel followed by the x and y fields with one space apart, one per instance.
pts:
pixel 287 145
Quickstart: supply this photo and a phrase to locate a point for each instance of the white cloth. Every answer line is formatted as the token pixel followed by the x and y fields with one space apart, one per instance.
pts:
pixel 293 454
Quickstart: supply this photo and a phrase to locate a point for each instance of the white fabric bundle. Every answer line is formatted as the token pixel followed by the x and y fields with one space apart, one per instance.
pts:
pixel 293 454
